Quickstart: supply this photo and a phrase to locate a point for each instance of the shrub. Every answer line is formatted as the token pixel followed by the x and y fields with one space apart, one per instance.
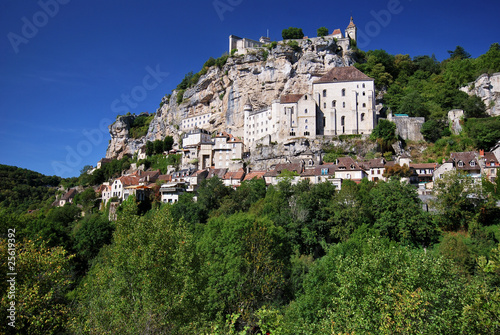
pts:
pixel 292 33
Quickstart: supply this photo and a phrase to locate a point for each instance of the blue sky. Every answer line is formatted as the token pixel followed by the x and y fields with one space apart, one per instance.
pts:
pixel 68 67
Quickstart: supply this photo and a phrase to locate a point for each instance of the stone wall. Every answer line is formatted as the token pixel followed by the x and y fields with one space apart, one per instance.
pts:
pixel 408 128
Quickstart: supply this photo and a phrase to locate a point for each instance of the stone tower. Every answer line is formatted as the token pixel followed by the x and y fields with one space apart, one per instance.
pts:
pixel 351 31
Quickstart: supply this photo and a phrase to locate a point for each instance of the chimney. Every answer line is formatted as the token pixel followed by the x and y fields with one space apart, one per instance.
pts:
pixel 481 153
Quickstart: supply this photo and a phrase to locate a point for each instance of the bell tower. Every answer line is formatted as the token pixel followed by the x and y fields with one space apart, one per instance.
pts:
pixel 351 31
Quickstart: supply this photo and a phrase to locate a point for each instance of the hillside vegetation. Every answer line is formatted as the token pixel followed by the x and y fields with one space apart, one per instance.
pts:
pixel 284 259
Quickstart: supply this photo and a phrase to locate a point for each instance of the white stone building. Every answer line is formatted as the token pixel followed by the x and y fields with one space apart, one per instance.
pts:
pixel 346 102
pixel 197 121
pixel 227 151
pixel 343 102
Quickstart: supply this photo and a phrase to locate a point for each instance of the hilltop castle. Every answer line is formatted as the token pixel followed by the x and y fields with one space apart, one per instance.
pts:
pixel 343 40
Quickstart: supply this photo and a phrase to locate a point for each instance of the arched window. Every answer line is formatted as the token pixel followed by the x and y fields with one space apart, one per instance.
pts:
pixel 343 105
pixel 343 92
pixel 334 103
pixel 362 116
pixel 364 105
pixel 324 93
pixel 306 121
pixel 305 97
pixel 305 111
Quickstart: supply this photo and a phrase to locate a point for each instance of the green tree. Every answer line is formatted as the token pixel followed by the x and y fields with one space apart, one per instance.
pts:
pixel 458 198
pixel 146 280
pixel 369 284
pixel 398 214
pixel 292 33
pixel 385 134
pixel 93 232
pixel 348 211
pixel 485 132
pixel 43 279
pixel 244 261
pixel 323 31
pixel 433 130
pixel 474 107
pixel 459 53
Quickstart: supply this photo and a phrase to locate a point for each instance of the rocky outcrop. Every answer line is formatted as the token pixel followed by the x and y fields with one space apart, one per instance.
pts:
pixel 262 75
pixel 487 87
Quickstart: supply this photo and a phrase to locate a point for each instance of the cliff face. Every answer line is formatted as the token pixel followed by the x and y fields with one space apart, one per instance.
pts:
pixel 487 87
pixel 261 75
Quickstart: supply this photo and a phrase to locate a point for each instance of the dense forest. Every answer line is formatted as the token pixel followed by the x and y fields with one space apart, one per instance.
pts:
pixel 284 259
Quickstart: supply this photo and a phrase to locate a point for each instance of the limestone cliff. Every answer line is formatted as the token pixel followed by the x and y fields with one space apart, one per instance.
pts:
pixel 262 75
pixel 487 87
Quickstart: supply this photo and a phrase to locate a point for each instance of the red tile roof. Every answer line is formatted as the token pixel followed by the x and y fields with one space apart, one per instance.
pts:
pixel 466 158
pixel 129 180
pixel 336 32
pixel 255 174
pixel 235 175
pixel 290 98
pixel 69 195
pixel 341 74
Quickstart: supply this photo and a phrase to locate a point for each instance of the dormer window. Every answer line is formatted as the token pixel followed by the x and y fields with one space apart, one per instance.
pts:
pixel 324 172
pixel 352 166
pixel 460 164
pixel 472 163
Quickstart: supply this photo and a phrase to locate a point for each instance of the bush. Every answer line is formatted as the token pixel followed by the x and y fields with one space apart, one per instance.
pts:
pixel 294 45
pixel 323 31
pixel 292 33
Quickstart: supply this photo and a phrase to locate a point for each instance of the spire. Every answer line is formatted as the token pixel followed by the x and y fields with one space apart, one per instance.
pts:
pixel 351 24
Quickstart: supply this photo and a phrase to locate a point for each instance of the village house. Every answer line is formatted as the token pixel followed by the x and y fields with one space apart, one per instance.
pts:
pixel 227 152
pixel 374 169
pixel 489 165
pixel 233 178
pixel 195 179
pixel 254 175
pixel 119 185
pixel 274 175
pixel 67 197
pixel 424 173
pixel 347 168
pixel 170 192
pixel 102 162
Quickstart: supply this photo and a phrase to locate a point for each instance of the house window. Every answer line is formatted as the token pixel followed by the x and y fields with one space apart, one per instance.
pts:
pixel 460 163
pixel 342 121
pixel 292 133
pixel 348 176
pixel 324 172
pixel 306 127
pixel 306 133
pixel 364 105
pixel 363 85
pixel 343 92
pixel 472 163
pixel 343 105
pixel 305 111
pixel 306 121
pixel 324 104
pixel 334 103
pixel 324 93
pixel 305 97
pixel 362 116
pixel 363 93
